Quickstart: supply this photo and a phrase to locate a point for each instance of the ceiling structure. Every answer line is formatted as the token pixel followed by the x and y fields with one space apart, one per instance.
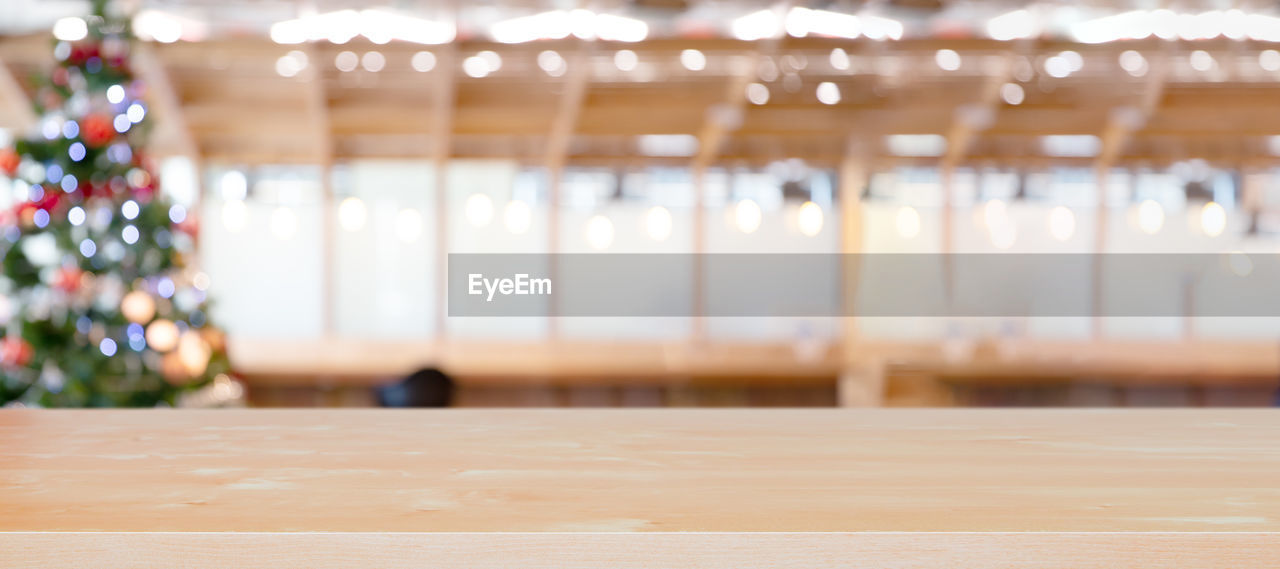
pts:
pixel 237 96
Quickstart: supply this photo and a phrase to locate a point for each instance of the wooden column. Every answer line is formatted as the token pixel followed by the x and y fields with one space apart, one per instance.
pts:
pixel 576 82
pixel 861 382
pixel 441 140
pixel 317 108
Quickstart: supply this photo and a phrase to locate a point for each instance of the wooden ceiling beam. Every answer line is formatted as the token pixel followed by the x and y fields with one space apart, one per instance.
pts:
pixel 317 109
pixel 727 115
pixel 1124 121
pixel 444 98
pixel 173 133
pixel 977 116
pixel 20 112
pixel 569 108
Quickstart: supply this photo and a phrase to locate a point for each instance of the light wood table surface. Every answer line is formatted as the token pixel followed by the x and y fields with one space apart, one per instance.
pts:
pixel 578 489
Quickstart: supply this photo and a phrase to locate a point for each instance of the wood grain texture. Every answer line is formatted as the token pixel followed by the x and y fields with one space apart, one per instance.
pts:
pixel 670 488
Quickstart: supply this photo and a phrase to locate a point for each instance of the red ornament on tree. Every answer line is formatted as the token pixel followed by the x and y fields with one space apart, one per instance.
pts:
pixel 68 279
pixel 96 129
pixel 9 162
pixel 15 351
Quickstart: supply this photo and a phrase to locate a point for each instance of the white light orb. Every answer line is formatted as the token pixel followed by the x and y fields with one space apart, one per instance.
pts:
pixel 1075 62
pixel 809 219
pixel 115 94
pixel 234 185
pixel 839 59
pixel 828 93
pixel 352 214
pixel 479 210
pixel 599 232
pixel 346 61
pixel 693 60
pixel 625 60
pixel 1133 63
pixel 552 63
pixel 947 59
pixel 138 307
pixel 517 215
pixel 162 335
pixel 193 352
pixel 1213 219
pixel 1201 60
pixel 1150 217
pixel 1269 60
pixel 475 67
pixel 129 209
pixel 1057 67
pixel 373 61
pixel 423 61
pixel 491 60
pixel 76 215
pixel 757 93
pixel 747 216
pixel 1062 223
pixel 1012 93
pixel 657 223
pixel 70 29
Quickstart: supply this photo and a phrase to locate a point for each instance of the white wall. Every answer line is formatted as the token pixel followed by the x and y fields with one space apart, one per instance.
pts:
pixel 265 285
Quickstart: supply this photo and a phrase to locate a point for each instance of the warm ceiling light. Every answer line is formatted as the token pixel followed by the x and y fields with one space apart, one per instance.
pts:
pixel 1012 93
pixel 517 216
pixel 1062 223
pixel 1150 217
pixel 625 60
pixel 839 59
pixel 801 22
pixel 828 93
pixel 809 219
pixel 693 60
pixel 757 25
pixel 747 216
pixel 560 24
pixel 599 232
pixel 916 144
pixel 70 29
pixel 479 210
pixel 352 214
pixel 376 25
pixel 757 93
pixel 423 61
pixel 657 223
pixel 1017 24
pixel 1213 219
pixel 947 59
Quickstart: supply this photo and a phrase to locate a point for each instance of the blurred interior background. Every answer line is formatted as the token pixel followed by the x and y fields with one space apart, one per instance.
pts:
pixel 333 151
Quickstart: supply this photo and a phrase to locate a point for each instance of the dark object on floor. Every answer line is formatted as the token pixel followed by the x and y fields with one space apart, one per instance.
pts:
pixel 428 387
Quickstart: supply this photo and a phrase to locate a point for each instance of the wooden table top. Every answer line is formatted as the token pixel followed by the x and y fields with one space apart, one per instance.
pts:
pixel 640 470
pixel 1172 472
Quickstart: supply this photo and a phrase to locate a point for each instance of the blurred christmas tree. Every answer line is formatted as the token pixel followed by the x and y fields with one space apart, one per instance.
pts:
pixel 97 307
